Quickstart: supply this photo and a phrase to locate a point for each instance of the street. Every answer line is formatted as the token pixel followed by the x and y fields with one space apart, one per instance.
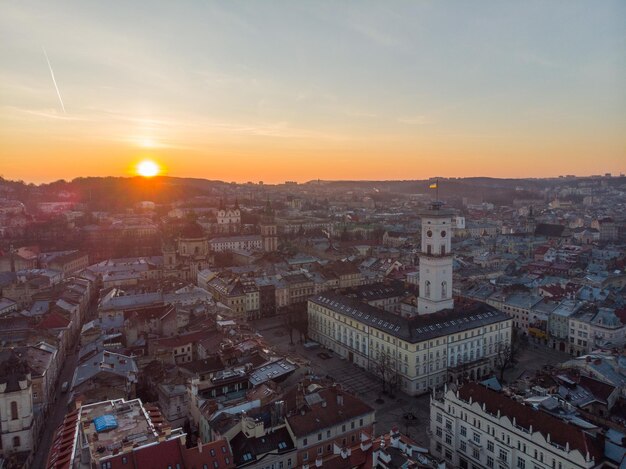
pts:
pixel 59 409
pixel 534 357
pixel 410 414
pixel 59 405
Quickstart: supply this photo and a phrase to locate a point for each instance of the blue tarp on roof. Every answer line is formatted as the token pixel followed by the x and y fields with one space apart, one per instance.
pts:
pixel 492 383
pixel 105 422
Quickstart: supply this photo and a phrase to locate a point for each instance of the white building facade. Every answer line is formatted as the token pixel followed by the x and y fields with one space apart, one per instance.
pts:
pixel 435 269
pixel 475 427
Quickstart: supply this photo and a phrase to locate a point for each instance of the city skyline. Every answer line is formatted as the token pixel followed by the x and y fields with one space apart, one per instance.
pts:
pixel 301 91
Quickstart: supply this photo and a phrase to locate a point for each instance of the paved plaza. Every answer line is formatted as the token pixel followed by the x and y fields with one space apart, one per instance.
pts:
pixel 409 414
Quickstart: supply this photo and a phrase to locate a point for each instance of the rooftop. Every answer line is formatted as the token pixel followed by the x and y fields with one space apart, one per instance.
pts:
pixel 558 431
pixel 464 316
pixel 272 371
pixel 135 426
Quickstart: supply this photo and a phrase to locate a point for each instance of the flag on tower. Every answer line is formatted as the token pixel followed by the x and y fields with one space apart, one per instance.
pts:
pixel 433 185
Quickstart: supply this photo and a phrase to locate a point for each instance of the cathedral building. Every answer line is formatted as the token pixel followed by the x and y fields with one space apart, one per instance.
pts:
pixel 229 219
pixel 187 254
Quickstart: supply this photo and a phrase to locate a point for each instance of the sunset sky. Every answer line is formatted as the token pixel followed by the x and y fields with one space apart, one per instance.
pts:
pixel 300 90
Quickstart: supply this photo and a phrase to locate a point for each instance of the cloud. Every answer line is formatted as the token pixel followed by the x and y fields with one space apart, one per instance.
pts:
pixel 44 113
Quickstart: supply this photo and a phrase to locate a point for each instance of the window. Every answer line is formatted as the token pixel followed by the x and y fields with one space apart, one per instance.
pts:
pixel 521 463
pixel 475 453
pixel 212 452
pixel 463 446
pixel 320 450
pixel 319 437
pixel 476 438
pixel 504 456
pixel 14 415
pixel 360 422
pixel 305 457
pixel 304 442
pixel 438 432
pixel 448 455
pixel 490 446
pixel 489 461
pixel 463 431
pixel 439 419
pixel 448 439
pixel 17 442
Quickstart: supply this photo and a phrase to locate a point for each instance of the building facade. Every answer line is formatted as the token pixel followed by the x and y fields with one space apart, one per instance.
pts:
pixel 476 427
pixel 435 278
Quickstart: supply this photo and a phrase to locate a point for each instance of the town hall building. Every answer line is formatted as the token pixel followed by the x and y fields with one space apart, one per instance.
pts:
pixel 444 342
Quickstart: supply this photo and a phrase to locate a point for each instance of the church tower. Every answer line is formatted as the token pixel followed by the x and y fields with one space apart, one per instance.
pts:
pixel 435 290
pixel 16 406
pixel 269 230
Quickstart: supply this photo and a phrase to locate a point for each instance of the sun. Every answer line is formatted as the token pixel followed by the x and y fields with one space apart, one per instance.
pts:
pixel 148 168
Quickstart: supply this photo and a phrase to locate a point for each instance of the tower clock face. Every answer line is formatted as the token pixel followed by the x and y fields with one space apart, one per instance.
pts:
pixel 443 234
pixel 429 234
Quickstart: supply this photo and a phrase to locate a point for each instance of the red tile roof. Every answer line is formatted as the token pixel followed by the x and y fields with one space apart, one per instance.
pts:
pixel 165 454
pixel 63 443
pixel 326 413
pixel 209 453
pixel 53 320
pixel 180 340
pixel 525 416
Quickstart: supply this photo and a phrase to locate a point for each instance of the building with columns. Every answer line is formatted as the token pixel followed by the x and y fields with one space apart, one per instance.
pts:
pixel 443 343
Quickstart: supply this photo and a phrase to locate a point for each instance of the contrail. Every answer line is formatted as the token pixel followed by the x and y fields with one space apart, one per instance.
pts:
pixel 54 81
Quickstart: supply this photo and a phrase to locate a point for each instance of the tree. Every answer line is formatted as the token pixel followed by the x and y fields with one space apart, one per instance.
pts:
pixel 385 367
pixel 508 352
pixel 295 318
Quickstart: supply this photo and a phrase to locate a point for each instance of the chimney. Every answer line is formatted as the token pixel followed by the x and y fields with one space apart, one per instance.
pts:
pixel 394 437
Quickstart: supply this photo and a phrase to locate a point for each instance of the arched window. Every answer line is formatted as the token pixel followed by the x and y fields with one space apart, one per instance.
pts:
pixel 427 293
pixel 14 415
pixel 444 289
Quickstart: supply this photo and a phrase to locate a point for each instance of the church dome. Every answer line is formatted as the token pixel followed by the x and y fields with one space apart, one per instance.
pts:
pixel 192 230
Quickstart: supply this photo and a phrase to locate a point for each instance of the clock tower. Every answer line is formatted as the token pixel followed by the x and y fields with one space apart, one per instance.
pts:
pixel 435 289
